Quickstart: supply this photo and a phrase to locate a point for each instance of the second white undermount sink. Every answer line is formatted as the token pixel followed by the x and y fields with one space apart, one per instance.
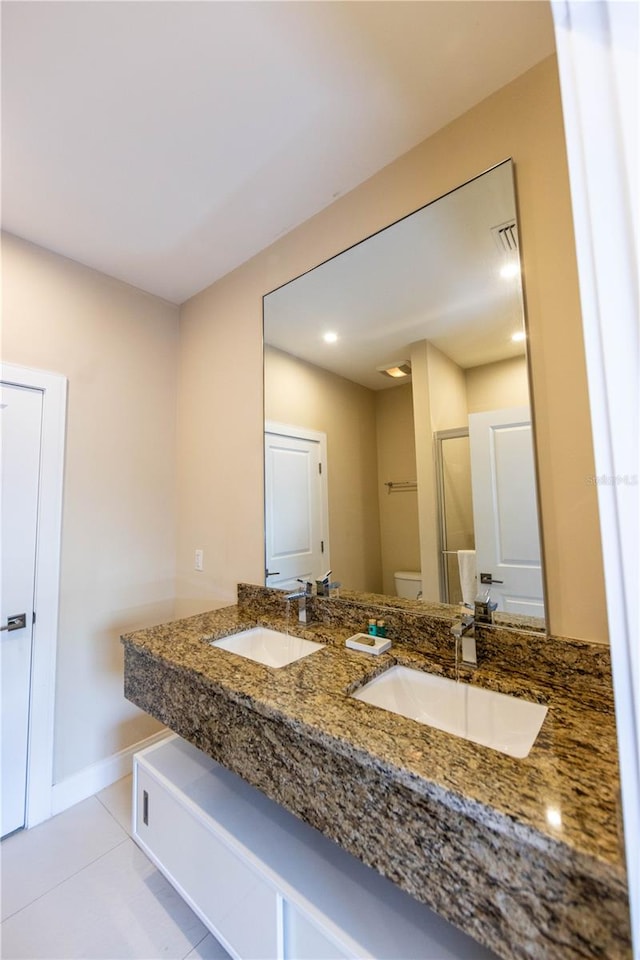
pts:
pixel 495 720
pixel 267 646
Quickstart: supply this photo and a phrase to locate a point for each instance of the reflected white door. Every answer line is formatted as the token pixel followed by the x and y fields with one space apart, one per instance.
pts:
pixel 294 481
pixel 505 508
pixel 21 410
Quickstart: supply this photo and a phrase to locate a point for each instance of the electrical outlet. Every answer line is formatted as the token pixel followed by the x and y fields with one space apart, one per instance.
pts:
pixel 199 562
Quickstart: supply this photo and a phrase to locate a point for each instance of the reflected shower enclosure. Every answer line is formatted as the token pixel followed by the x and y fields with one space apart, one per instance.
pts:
pixel 455 507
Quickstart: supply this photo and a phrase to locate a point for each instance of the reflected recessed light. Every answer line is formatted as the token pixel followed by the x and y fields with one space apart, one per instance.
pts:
pixel 395 369
pixel 519 336
pixel 511 269
pixel 554 817
pixel 330 337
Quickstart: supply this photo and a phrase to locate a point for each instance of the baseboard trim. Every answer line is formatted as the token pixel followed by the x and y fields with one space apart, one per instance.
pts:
pixel 98 775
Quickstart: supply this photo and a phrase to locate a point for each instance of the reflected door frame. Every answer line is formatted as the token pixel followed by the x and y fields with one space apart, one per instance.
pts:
pixel 505 509
pixel 315 436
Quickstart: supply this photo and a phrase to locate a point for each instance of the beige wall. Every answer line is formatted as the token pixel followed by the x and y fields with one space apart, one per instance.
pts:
pixel 304 395
pixel 370 440
pixel 117 347
pixel 496 385
pixel 447 389
pixel 399 530
pixel 220 413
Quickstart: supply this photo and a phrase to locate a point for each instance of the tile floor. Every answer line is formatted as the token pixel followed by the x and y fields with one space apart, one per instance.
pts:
pixel 78 888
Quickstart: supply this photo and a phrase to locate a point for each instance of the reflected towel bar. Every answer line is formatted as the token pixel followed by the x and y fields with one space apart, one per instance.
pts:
pixel 401 485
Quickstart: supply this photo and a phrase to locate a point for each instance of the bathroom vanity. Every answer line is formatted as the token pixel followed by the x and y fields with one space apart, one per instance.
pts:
pixel 522 854
pixel 265 883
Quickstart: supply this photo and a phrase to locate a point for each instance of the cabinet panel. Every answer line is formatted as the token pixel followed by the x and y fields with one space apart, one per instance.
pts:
pixel 244 863
pixel 232 897
pixel 304 941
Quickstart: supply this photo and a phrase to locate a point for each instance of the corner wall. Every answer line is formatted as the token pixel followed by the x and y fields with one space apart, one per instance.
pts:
pixel 220 385
pixel 117 347
pixel 304 395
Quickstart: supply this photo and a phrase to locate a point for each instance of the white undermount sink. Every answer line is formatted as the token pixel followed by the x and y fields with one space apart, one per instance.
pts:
pixel 495 720
pixel 267 646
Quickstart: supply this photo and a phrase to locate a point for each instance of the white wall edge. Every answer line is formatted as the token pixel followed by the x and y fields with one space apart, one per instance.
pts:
pixel 597 46
pixel 99 775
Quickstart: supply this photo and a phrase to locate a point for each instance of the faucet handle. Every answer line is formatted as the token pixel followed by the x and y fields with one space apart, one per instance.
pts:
pixel 460 627
pixel 483 609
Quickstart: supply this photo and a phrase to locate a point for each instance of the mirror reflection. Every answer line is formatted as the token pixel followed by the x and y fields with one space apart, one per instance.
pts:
pixel 398 444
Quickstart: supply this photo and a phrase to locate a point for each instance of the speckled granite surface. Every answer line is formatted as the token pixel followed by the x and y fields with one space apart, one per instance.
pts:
pixel 524 855
pixel 437 609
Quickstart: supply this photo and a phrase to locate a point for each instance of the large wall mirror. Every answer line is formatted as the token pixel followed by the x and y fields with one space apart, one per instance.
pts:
pixel 398 441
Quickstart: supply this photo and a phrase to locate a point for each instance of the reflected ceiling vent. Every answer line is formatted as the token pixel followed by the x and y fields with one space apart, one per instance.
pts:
pixel 395 369
pixel 506 237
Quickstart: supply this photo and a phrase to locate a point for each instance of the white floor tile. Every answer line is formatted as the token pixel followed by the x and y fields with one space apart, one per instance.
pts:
pixel 34 861
pixel 118 800
pixel 208 949
pixel 119 908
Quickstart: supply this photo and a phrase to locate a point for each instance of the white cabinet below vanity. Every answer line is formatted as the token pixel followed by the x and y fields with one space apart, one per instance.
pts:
pixel 266 884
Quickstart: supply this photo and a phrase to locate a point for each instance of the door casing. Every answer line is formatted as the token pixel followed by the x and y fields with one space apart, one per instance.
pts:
pixel 302 433
pixel 505 511
pixel 47 589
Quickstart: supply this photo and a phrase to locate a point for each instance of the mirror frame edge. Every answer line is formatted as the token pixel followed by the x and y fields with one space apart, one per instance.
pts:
pixel 545 629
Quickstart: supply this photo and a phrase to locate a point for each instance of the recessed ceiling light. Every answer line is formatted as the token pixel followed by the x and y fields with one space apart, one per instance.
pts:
pixel 519 336
pixel 511 269
pixel 395 369
pixel 330 336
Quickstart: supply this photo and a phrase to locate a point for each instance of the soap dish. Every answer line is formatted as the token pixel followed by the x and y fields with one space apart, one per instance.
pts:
pixel 368 644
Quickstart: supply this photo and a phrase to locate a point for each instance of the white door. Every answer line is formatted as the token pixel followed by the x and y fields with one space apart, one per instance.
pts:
pixel 21 409
pixel 505 512
pixel 294 480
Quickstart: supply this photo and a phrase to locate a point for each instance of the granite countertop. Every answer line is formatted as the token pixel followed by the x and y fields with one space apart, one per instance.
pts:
pixel 560 802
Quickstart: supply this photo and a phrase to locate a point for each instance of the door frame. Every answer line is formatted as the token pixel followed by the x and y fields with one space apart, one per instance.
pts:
pixel 53 386
pixel 303 433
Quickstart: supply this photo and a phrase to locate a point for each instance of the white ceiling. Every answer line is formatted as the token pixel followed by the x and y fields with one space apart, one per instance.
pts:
pixel 435 275
pixel 165 143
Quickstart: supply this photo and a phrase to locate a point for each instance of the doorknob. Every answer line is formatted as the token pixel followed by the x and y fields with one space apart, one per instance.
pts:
pixel 272 573
pixel 17 622
pixel 487 578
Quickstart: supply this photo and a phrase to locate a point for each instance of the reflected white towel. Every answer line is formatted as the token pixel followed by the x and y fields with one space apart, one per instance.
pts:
pixel 468 576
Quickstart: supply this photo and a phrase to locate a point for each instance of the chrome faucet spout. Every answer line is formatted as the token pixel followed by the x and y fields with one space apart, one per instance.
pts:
pixel 301 596
pixel 464 631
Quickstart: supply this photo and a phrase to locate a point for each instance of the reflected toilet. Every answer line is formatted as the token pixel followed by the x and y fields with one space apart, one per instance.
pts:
pixel 408 584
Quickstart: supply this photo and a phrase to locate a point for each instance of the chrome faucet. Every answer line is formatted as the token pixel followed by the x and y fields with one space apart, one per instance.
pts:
pixel 483 608
pixel 301 596
pixel 463 626
pixel 464 630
